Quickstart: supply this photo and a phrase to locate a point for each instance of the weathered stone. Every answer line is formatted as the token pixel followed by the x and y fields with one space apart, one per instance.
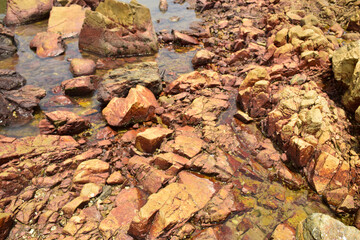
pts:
pixel 283 232
pixel 85 3
pixel 82 66
pixel 171 163
pixel 64 123
pixel 244 117
pixel 66 21
pixel 90 190
pixel 151 139
pixel 157 217
pixel 138 106
pixel 91 171
pixel 202 57
pixel 118 82
pixel 320 226
pixel 299 151
pixel 207 234
pixel 48 44
pixel 115 178
pixel 6 223
pixel 118 29
pixel 184 39
pixel 79 86
pixel 149 177
pixel 188 146
pixel 163 5
pixel 8 45
pixel 26 11
pixel 70 207
pixel 10 80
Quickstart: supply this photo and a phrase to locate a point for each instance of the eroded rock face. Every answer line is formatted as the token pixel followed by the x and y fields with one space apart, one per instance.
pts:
pixel 48 44
pixel 118 82
pixel 320 226
pixel 138 106
pixel 8 45
pixel 26 11
pixel 66 21
pixel 118 29
pixel 5 224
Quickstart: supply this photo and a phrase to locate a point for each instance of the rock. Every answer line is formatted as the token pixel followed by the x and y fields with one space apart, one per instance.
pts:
pixel 66 21
pixel 117 223
pixel 171 207
pixel 82 66
pixel 59 100
pixel 299 151
pixel 118 29
pixel 320 226
pixel 64 123
pixel 163 5
pixel 207 234
pixel 10 80
pixel 26 11
pixel 91 171
pixel 85 3
pixel 171 163
pixel 118 82
pixel 115 178
pixel 188 146
pixel 71 206
pixel 6 223
pixel 183 39
pixel 79 86
pixel 8 45
pixel 90 190
pixel 149 177
pixel 283 232
pixel 353 22
pixel 202 57
pixel 357 114
pixel 151 139
pixel 138 106
pixel 244 117
pixel 48 44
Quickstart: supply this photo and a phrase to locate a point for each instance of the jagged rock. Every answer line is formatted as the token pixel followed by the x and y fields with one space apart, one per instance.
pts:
pixel 91 171
pixel 79 86
pixel 63 123
pixel 171 163
pixel 71 206
pixel 115 178
pixel 207 234
pixel 117 223
pixel 151 139
pixel 184 39
pixel 138 106
pixel 283 232
pixel 119 29
pixel 202 57
pixel 48 44
pixel 320 226
pixel 149 177
pixel 118 82
pixel 85 3
pixel 10 80
pixel 82 66
pixel 158 218
pixel 6 223
pixel 188 146
pixel 8 45
pixel 300 151
pixel 66 21
pixel 26 11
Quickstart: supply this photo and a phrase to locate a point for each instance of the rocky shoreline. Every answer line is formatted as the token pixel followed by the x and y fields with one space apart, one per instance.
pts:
pixel 189 164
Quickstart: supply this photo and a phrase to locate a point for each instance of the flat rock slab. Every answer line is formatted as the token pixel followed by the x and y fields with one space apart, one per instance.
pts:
pixel 151 139
pixel 26 11
pixel 119 29
pixel 118 82
pixel 79 86
pixel 48 44
pixel 66 21
pixel 92 171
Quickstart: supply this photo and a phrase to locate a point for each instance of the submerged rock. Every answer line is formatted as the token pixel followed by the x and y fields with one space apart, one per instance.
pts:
pixel 118 82
pixel 66 21
pixel 82 66
pixel 320 226
pixel 8 45
pixel 48 44
pixel 138 106
pixel 119 29
pixel 26 11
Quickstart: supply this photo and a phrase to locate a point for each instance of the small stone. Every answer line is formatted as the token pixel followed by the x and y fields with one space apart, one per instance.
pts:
pixel 202 57
pixel 90 190
pixel 244 117
pixel 91 171
pixel 81 66
pixel 283 232
pixel 70 207
pixel 184 39
pixel 6 223
pixel 48 44
pixel 79 86
pixel 115 178
pixel 151 139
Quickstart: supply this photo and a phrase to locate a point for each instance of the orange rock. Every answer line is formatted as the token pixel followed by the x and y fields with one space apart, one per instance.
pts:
pixel 188 146
pixel 95 171
pixel 90 190
pixel 70 207
pixel 81 66
pixel 115 178
pixel 5 224
pixel 79 86
pixel 48 44
pixel 151 139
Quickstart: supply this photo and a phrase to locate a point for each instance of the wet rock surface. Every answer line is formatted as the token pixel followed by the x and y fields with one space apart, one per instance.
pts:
pixel 8 45
pixel 48 44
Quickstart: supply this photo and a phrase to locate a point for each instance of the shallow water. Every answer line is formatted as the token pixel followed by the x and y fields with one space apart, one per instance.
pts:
pixel 50 72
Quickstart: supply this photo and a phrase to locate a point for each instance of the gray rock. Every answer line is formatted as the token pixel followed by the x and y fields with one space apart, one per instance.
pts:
pixel 118 82
pixel 8 45
pixel 10 80
pixel 319 226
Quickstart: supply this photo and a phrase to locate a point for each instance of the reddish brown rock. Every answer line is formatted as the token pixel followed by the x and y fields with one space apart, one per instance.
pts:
pixel 149 177
pixel 283 232
pixel 63 123
pixel 202 57
pixel 66 21
pixel 59 101
pixel 151 139
pixel 79 86
pixel 8 45
pixel 188 146
pixel 171 163
pixel 70 207
pixel 82 66
pixel 90 190
pixel 115 178
pixel 184 39
pixel 6 223
pixel 83 224
pixel 21 12
pixel 299 151
pixel 207 234
pixel 129 33
pixel 117 223
pixel 48 44
pixel 138 106
pixel 91 171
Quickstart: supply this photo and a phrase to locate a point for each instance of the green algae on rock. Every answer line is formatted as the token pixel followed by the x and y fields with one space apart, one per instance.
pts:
pixel 119 29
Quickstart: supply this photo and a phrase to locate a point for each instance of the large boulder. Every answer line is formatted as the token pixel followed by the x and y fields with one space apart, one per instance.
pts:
pixel 66 21
pixel 319 226
pixel 8 46
pixel 119 29
pixel 26 11
pixel 138 106
pixel 346 67
pixel 118 82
